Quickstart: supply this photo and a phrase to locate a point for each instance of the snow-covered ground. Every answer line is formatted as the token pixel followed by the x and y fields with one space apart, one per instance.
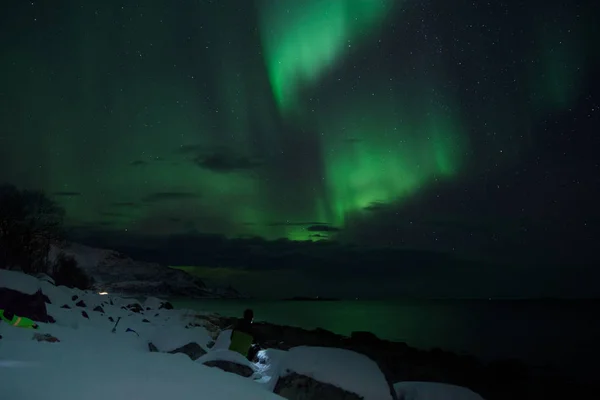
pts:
pixel 91 362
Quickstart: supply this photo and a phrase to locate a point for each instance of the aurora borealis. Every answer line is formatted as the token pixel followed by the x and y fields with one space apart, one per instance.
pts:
pixel 388 122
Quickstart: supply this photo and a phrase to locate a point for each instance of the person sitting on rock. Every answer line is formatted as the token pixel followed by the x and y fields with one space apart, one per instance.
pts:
pixel 243 335
pixel 14 320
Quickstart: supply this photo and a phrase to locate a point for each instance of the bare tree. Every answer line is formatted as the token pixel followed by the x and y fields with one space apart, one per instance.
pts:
pixel 29 223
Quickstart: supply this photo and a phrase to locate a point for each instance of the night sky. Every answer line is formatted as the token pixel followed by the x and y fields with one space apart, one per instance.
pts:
pixel 464 130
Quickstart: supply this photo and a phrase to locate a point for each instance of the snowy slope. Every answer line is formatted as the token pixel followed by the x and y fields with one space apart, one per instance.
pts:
pixel 114 272
pixel 91 362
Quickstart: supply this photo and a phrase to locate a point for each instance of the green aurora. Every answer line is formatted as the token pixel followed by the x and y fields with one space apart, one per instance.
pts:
pixel 162 119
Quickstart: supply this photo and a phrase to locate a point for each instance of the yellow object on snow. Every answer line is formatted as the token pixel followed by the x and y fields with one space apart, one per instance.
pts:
pixel 240 342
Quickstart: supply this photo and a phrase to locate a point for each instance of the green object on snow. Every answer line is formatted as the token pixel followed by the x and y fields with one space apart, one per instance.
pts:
pixel 20 322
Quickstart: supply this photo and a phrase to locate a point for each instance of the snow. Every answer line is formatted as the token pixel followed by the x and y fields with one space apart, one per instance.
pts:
pixel 433 391
pixel 346 369
pixel 19 281
pixel 92 362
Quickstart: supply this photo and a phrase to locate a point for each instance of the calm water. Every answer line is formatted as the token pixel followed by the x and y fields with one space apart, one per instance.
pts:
pixel 565 335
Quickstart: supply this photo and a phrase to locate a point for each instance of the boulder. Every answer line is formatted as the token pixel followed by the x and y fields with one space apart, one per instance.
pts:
pixel 192 350
pixel 300 387
pixel 32 306
pixel 230 366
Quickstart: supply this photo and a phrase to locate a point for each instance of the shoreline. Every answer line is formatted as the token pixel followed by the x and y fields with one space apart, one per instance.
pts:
pixel 497 379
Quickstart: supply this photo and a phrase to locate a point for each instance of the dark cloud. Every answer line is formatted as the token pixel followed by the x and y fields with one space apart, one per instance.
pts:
pixel 375 206
pixel 168 196
pixel 66 194
pixel 322 228
pixel 190 149
pixel 288 223
pixel 225 162
pixel 125 204
pixel 138 163
pixel 112 214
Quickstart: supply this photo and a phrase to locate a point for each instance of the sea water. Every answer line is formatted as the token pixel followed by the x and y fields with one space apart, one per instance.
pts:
pixel 561 334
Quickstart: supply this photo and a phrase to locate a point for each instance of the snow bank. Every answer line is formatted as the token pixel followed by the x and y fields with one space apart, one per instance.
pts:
pixel 433 391
pixel 345 369
pixel 103 352
pixel 18 281
pixel 91 362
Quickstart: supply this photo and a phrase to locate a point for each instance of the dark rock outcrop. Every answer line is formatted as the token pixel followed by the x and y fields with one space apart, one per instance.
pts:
pixel 135 307
pixel 85 315
pixel 32 306
pixel 230 366
pixel 81 303
pixel 192 350
pixel 300 387
pixel 399 362
pixel 99 309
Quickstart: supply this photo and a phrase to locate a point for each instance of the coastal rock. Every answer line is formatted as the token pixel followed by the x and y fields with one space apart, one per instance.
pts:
pixel 230 366
pixel 300 387
pixel 31 306
pixel 192 350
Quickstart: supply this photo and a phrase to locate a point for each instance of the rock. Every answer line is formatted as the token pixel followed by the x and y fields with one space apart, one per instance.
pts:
pixel 80 303
pixel 85 315
pixel 364 337
pixel 74 297
pixel 111 319
pixel 193 350
pixel 166 305
pixel 46 337
pixel 152 348
pixel 32 306
pixel 145 320
pixel 135 307
pixel 65 306
pixel 99 309
pixel 229 366
pixel 45 278
pixel 295 387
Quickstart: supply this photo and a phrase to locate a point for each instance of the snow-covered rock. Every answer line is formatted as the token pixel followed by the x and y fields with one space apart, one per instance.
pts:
pixel 433 391
pixel 352 372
